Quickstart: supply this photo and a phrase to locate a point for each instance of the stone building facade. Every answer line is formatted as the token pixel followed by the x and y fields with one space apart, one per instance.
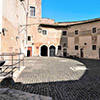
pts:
pixel 78 39
pixel 13 35
pixel 29 33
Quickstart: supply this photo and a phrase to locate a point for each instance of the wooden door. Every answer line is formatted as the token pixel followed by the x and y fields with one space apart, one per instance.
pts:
pixel 29 51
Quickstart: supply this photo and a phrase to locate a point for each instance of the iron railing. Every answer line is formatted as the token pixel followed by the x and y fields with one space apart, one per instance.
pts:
pixel 12 61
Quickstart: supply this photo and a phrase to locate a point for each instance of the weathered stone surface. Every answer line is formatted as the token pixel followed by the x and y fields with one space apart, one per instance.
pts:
pixel 42 69
pixel 8 94
pixel 87 87
pixel 7 81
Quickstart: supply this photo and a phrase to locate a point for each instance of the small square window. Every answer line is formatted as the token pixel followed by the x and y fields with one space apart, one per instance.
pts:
pixel 93 47
pixel 59 47
pixel 32 11
pixel 76 32
pixel 29 38
pixel 44 32
pixel 76 47
pixel 64 45
pixel 64 33
pixel 93 30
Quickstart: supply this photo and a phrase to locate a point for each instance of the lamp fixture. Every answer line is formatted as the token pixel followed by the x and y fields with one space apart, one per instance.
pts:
pixel 39 30
pixel 3 31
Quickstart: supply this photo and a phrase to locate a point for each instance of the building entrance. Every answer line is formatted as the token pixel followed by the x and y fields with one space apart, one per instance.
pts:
pixel 99 53
pixel 44 50
pixel 64 52
pixel 52 51
pixel 29 52
pixel 81 53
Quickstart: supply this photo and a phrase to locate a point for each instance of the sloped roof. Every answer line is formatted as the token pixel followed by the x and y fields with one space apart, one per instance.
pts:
pixel 68 24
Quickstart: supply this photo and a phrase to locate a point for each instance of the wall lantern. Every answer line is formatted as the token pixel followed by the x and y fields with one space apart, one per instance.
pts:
pixel 39 30
pixel 3 31
pixel 17 38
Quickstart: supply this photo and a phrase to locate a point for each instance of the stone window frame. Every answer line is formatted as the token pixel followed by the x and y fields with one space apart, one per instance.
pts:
pixel 59 47
pixel 94 30
pixel 44 32
pixel 76 32
pixel 76 47
pixel 28 38
pixel 64 33
pixel 94 47
pixel 34 11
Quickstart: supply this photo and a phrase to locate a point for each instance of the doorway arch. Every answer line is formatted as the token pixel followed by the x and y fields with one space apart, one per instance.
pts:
pixel 44 50
pixel 52 50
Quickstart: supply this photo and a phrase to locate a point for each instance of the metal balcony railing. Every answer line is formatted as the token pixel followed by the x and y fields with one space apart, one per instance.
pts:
pixel 12 61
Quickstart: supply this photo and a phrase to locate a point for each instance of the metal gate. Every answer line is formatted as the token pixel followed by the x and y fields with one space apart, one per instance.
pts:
pixel 52 51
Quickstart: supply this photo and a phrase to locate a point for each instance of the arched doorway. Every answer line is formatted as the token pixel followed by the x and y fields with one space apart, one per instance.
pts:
pixel 52 50
pixel 44 50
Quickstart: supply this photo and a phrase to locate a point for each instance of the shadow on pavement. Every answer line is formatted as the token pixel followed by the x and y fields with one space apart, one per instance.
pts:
pixel 86 88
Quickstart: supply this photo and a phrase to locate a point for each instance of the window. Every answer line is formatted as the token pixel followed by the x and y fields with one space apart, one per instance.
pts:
pixel 76 47
pixel 32 11
pixel 93 47
pixel 85 43
pixel 44 32
pixel 64 33
pixel 93 30
pixel 64 45
pixel 59 47
pixel 29 38
pixel 76 32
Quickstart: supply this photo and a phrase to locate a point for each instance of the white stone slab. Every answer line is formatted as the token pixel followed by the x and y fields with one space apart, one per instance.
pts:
pixel 76 68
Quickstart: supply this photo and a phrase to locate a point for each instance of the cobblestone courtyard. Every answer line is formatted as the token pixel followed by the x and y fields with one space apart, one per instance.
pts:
pixel 43 69
pixel 61 78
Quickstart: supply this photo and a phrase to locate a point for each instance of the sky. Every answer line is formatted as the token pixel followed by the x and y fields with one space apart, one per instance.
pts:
pixel 70 10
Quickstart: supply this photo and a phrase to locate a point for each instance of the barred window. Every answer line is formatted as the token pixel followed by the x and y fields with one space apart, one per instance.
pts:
pixel 76 47
pixel 29 38
pixel 76 32
pixel 93 47
pixel 93 30
pixel 64 33
pixel 32 11
pixel 59 47
pixel 44 32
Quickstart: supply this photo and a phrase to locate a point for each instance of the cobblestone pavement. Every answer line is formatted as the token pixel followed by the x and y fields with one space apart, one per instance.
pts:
pixel 48 69
pixel 11 94
pixel 81 85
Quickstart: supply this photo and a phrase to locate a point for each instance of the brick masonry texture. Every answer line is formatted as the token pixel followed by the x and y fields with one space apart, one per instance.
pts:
pixel 83 86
